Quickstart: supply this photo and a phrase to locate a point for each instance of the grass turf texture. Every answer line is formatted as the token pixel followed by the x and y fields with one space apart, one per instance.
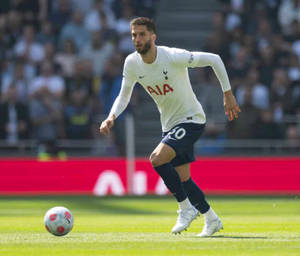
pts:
pixel 141 226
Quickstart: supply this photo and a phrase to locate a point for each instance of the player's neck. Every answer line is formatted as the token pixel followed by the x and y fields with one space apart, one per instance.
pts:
pixel 150 56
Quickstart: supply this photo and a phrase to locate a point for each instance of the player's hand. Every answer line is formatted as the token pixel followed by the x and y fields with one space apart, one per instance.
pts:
pixel 231 107
pixel 106 125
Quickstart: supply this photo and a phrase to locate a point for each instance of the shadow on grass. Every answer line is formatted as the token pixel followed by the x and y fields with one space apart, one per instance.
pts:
pixel 239 237
pixel 104 205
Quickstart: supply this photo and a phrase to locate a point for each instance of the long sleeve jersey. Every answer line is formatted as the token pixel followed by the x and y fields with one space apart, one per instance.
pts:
pixel 167 81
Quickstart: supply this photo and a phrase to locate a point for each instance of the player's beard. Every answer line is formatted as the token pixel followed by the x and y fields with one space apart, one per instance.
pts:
pixel 146 48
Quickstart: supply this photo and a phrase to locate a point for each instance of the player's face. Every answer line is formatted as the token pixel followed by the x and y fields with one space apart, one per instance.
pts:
pixel 142 38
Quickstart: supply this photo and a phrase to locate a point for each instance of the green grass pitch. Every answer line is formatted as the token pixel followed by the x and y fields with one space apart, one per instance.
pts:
pixel 141 226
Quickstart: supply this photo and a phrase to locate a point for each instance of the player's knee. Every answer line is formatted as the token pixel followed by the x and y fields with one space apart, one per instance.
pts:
pixel 153 158
pixel 156 160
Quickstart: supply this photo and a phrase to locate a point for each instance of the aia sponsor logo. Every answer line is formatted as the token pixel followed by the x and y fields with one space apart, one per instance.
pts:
pixel 160 90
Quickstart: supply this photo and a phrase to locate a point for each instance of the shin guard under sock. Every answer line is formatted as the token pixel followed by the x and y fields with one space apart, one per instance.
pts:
pixel 171 178
pixel 195 196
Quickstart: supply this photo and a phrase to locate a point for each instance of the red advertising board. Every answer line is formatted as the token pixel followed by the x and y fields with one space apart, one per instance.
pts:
pixel 108 176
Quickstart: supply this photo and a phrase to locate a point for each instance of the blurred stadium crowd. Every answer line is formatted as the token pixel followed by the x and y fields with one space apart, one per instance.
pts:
pixel 61 66
pixel 259 42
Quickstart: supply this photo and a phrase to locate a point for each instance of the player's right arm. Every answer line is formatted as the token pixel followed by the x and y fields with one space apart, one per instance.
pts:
pixel 107 124
pixel 121 101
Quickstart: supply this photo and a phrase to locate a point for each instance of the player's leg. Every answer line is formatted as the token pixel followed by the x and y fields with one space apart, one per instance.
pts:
pixel 162 154
pixel 212 222
pixel 184 172
pixel 193 191
pixel 160 160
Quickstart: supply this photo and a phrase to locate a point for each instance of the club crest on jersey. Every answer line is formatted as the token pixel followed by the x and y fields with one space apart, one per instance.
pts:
pixel 160 90
pixel 165 72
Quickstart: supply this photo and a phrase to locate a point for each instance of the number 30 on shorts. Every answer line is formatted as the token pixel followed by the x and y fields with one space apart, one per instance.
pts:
pixel 178 133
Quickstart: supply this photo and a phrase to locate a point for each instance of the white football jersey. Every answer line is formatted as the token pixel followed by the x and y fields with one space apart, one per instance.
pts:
pixel 167 81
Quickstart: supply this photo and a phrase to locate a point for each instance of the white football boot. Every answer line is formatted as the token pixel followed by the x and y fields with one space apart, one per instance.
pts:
pixel 211 227
pixel 185 217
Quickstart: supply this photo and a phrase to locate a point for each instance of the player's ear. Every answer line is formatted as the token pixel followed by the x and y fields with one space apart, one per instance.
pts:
pixel 153 37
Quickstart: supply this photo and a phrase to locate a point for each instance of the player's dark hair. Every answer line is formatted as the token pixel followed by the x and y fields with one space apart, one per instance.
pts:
pixel 144 21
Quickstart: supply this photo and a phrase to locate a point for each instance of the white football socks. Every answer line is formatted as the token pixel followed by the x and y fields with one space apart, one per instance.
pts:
pixel 210 215
pixel 185 204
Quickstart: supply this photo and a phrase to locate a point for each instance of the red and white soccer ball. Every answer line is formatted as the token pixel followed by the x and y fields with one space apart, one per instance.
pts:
pixel 59 221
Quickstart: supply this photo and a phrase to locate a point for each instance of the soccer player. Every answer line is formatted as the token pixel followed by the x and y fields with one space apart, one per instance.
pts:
pixel 162 71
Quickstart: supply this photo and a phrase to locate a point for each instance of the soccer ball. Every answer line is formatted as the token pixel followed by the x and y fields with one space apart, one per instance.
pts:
pixel 59 221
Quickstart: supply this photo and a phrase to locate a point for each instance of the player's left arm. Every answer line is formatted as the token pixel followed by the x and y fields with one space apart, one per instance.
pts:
pixel 203 59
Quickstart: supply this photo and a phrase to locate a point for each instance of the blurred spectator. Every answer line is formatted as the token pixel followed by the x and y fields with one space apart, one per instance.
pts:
pixel 294 107
pixel 293 138
pixel 213 132
pixel 46 35
pixel 50 50
pixel 110 88
pixel 124 31
pixel 144 8
pixel 295 32
pixel 260 93
pixel 244 126
pixel 266 127
pixel 98 52
pixel 233 20
pixel 238 66
pixel 296 43
pixel 67 58
pixel 47 81
pixel 294 68
pixel 266 65
pixel 211 97
pixel 78 116
pixel 75 30
pixel 60 14
pixel 4 39
pixel 100 17
pixel 13 27
pixel 111 82
pixel 47 119
pixel 118 7
pixel 33 10
pixel 84 6
pixel 18 81
pixel 264 33
pixel 218 23
pixel 217 42
pixel 237 41
pixel 289 11
pixel 14 119
pixel 28 48
pixel 82 78
pixel 281 91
